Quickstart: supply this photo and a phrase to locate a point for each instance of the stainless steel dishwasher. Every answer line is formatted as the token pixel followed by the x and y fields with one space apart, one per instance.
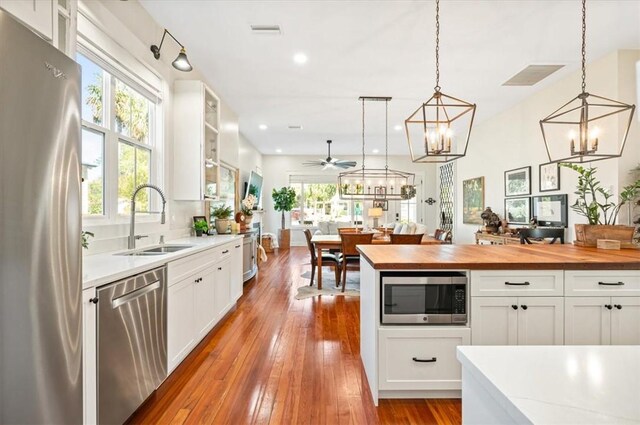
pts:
pixel 132 343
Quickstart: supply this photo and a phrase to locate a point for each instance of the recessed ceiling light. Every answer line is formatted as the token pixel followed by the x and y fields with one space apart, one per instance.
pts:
pixel 263 127
pixel 375 150
pixel 300 58
pixel 278 150
pixel 295 127
pixel 397 127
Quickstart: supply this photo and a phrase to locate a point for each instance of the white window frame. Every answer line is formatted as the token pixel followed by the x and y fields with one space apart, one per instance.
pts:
pixel 111 143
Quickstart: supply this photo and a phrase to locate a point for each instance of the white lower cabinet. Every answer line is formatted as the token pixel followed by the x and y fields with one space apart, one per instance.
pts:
pixel 223 297
pixel 207 296
pixel 420 359
pixel 517 320
pixel 602 320
pixel 236 271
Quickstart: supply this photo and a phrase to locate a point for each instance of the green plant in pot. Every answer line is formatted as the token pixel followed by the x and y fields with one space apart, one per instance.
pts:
pixel 201 226
pixel 222 214
pixel 600 208
pixel 284 200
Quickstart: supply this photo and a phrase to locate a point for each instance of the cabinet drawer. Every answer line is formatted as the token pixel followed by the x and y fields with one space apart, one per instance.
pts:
pixel 597 283
pixel 223 252
pixel 509 283
pixel 180 269
pixel 401 349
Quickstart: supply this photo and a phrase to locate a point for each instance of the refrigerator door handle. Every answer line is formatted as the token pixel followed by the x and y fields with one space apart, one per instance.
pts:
pixel 117 302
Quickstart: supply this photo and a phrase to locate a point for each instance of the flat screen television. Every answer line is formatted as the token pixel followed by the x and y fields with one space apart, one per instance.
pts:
pixel 550 210
pixel 254 186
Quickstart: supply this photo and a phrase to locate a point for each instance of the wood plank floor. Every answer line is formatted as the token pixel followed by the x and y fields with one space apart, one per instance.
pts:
pixel 278 360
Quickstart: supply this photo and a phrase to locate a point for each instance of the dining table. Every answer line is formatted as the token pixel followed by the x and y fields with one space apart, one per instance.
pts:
pixel 325 242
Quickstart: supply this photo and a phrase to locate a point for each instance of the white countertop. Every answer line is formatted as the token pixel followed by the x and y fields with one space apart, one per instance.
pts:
pixel 105 268
pixel 560 384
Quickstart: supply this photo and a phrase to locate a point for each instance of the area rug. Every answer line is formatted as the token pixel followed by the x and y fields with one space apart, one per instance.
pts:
pixel 329 285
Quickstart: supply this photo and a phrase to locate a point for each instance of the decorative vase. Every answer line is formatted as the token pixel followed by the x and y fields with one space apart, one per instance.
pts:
pixel 222 225
pixel 284 238
pixel 248 219
pixel 588 234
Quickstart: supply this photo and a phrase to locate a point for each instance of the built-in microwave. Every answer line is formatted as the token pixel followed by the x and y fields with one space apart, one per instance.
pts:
pixel 424 298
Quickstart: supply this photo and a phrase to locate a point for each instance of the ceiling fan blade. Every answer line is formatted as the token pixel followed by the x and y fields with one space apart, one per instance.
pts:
pixel 345 164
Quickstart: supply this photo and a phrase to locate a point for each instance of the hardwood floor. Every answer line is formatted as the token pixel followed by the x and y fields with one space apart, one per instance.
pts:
pixel 278 360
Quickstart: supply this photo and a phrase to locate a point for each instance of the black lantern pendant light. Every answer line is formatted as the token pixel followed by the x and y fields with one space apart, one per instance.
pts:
pixel 587 126
pixel 181 63
pixel 439 130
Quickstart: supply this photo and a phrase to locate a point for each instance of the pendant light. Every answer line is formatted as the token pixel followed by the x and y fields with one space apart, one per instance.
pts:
pixel 376 183
pixel 586 128
pixel 439 130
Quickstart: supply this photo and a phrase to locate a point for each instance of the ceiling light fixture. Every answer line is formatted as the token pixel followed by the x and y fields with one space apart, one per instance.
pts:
pixel 441 126
pixel 263 127
pixel 371 183
pixel 576 120
pixel 278 150
pixel 300 58
pixel 376 151
pixel 181 63
pixel 397 127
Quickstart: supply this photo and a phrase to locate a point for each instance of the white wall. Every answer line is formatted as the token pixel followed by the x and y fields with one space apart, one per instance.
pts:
pixel 513 139
pixel 130 27
pixel 277 168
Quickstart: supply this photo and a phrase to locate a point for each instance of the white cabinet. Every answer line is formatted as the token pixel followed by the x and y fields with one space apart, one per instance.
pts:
pixel 207 296
pixel 602 320
pixel 181 321
pixel 196 157
pixel 420 359
pixel 37 14
pixel 517 283
pixel 236 271
pixel 222 297
pixel 517 320
pixel 597 283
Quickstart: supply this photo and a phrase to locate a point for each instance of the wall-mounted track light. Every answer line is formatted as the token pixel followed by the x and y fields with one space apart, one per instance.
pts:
pixel 181 63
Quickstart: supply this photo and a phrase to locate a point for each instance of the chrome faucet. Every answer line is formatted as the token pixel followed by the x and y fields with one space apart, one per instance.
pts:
pixel 132 227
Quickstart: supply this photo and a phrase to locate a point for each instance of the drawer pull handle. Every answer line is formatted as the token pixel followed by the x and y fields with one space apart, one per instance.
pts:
pixel 518 283
pixel 390 305
pixel 431 360
pixel 611 283
pixel 618 306
pixel 226 251
pixel 608 306
pixel 513 306
pixel 237 246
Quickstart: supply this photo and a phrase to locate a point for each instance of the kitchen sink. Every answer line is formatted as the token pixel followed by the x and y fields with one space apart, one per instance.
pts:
pixel 158 250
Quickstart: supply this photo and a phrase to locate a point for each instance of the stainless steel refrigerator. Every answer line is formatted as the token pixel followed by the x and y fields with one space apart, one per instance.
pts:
pixel 40 224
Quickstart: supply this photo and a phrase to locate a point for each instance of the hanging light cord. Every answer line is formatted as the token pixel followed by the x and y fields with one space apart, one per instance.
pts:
pixel 437 87
pixel 584 45
pixel 386 136
pixel 363 143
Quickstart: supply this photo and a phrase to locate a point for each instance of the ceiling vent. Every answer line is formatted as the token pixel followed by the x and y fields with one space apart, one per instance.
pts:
pixel 532 75
pixel 266 29
pixel 295 127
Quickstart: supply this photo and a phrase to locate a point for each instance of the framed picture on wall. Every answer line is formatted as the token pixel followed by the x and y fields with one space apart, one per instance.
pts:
pixel 517 182
pixel 517 210
pixel 381 203
pixel 549 177
pixel 380 191
pixel 472 200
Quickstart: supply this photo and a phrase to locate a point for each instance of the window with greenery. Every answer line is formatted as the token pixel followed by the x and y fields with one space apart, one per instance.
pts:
pixel 319 201
pixel 117 140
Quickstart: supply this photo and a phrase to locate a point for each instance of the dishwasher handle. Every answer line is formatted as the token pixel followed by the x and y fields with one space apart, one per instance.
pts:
pixel 117 302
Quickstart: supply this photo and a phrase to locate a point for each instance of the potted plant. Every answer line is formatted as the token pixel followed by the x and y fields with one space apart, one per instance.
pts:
pixel 201 226
pixel 85 238
pixel 222 213
pixel 284 201
pixel 247 207
pixel 600 209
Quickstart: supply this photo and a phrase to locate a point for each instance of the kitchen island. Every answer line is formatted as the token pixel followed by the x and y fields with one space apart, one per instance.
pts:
pixel 515 295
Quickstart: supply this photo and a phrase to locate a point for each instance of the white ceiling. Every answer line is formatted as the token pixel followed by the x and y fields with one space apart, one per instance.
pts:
pixel 380 48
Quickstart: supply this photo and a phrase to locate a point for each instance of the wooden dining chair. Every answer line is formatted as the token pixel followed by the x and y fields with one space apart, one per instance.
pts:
pixel 350 254
pixel 328 258
pixel 526 235
pixel 400 239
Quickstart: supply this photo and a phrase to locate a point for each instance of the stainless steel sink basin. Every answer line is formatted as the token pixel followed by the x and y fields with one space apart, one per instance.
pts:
pixel 158 250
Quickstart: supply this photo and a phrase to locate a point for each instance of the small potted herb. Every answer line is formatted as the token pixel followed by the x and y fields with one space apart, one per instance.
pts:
pixel 201 226
pixel 222 213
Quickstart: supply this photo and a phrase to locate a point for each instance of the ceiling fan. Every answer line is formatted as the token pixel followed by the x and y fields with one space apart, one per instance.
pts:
pixel 330 162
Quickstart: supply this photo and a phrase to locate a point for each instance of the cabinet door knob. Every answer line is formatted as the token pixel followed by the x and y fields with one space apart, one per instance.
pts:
pixel 94 300
pixel 515 307
pixel 219 268
pixel 524 307
pixel 608 306
pixel 618 306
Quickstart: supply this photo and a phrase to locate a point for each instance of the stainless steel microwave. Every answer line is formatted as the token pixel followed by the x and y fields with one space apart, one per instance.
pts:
pixel 425 298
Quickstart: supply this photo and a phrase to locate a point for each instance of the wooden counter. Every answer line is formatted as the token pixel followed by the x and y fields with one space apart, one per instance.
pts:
pixel 499 257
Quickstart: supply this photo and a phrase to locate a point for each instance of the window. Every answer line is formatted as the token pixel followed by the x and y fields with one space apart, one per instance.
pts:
pixel 118 140
pixel 319 200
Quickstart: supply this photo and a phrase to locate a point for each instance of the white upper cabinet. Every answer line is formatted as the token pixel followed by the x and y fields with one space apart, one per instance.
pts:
pixel 196 156
pixel 37 14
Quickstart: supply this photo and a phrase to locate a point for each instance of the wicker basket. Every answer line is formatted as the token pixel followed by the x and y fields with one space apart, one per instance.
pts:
pixel 266 244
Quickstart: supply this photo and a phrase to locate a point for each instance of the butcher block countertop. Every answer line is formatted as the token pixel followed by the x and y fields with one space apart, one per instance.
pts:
pixel 498 257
